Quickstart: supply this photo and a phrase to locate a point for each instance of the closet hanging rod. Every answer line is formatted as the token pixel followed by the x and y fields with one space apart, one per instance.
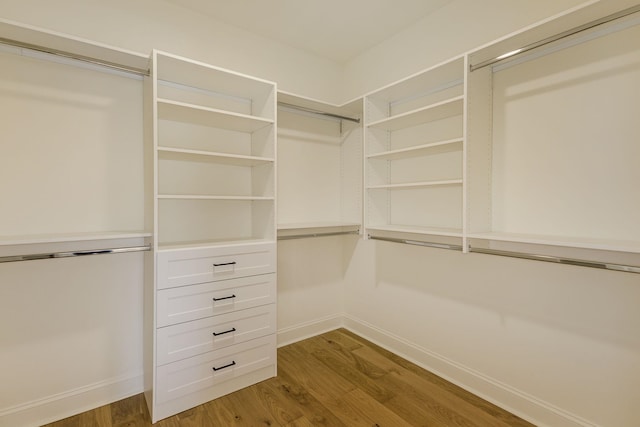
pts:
pixel 419 243
pixel 69 55
pixel 308 235
pixel 321 113
pixel 559 36
pixel 69 254
pixel 558 260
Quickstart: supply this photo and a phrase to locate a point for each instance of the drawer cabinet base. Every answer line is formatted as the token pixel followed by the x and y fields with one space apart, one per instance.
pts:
pixel 175 406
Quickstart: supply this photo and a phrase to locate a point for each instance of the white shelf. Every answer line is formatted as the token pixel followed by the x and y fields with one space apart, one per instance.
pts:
pixel 433 231
pixel 172 246
pixel 420 150
pixel 440 110
pixel 319 224
pixel 55 41
pixel 410 185
pixel 70 237
pixel 206 156
pixel 211 117
pixel 222 198
pixel 188 72
pixel 565 241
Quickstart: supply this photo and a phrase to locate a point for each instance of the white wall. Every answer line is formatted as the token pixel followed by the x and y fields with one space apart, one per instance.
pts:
pixel 142 25
pixel 555 343
pixel 458 27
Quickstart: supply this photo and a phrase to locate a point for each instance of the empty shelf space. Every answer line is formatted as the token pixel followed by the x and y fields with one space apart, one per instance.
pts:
pixel 410 185
pixel 448 108
pixel 204 116
pixel 420 150
pixel 206 156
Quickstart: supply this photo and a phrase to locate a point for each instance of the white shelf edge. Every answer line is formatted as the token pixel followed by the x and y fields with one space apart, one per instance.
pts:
pixel 202 197
pixel 70 237
pixel 400 152
pixel 433 231
pixel 571 242
pixel 215 155
pixel 163 247
pixel 319 224
pixel 387 122
pixel 408 185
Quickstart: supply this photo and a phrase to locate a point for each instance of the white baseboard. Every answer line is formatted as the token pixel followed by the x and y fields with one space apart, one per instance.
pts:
pixel 72 402
pixel 310 329
pixel 528 407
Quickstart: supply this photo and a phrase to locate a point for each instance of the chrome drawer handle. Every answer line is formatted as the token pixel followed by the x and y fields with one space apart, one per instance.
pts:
pixel 217 334
pixel 225 366
pixel 223 298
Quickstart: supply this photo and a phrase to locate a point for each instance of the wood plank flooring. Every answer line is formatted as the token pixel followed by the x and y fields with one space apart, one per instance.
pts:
pixel 337 379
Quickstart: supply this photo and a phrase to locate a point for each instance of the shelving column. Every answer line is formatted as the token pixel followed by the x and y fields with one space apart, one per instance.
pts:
pixel 414 145
pixel 211 315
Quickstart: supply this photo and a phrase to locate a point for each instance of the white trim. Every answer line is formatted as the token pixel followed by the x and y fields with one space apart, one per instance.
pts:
pixel 301 331
pixel 62 405
pixel 527 407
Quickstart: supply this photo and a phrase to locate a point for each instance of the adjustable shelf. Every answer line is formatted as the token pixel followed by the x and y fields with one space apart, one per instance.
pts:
pixel 212 157
pixel 430 113
pixel 420 150
pixel 204 116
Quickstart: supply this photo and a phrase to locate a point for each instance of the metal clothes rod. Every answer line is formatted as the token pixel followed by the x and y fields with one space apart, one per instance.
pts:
pixel 77 57
pixel 564 34
pixel 559 260
pixel 419 243
pixel 304 236
pixel 33 257
pixel 322 113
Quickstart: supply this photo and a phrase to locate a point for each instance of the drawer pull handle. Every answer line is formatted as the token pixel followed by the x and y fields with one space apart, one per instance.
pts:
pixel 217 334
pixel 225 366
pixel 224 263
pixel 223 298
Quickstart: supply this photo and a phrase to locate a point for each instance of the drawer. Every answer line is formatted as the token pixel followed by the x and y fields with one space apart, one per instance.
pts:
pixel 181 267
pixel 187 303
pixel 197 373
pixel 200 336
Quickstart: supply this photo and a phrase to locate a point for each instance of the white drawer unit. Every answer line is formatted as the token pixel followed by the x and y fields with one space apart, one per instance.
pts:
pixel 198 373
pixel 189 339
pixel 181 267
pixel 194 302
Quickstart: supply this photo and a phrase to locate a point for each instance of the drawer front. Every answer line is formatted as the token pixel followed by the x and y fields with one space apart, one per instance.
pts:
pixel 210 369
pixel 200 265
pixel 189 339
pixel 187 303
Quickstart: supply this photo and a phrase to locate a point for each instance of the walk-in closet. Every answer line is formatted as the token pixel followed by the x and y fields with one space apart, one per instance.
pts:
pixel 207 202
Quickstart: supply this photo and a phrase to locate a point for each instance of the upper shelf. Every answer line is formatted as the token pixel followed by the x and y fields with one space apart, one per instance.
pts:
pixel 440 110
pixel 211 117
pixel 173 68
pixel 543 31
pixel 31 37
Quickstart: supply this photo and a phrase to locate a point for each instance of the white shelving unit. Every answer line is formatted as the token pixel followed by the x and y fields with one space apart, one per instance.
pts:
pixel 553 138
pixel 320 167
pixel 414 145
pixel 215 155
pixel 212 275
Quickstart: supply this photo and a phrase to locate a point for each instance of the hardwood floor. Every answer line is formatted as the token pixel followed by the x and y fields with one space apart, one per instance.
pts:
pixel 335 379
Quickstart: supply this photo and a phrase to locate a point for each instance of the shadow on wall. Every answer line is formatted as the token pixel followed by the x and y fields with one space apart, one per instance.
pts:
pixel 594 303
